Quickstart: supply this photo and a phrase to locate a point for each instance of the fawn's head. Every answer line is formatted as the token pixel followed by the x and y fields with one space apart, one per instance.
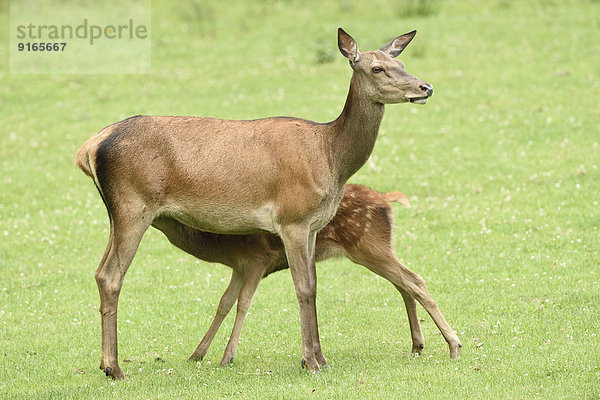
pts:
pixel 384 79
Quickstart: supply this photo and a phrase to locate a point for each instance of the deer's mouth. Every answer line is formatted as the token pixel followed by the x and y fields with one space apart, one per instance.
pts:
pixel 419 100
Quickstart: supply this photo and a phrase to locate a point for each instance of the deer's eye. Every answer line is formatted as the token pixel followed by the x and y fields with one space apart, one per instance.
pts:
pixel 377 69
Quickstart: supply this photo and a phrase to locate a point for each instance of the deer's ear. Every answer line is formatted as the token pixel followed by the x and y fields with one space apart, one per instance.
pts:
pixel 395 46
pixel 348 46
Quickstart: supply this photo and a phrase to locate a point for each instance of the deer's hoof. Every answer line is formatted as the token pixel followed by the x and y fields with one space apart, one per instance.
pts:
pixel 114 373
pixel 311 365
pixel 455 350
pixel 198 354
pixel 226 362
pixel 322 361
pixel 417 348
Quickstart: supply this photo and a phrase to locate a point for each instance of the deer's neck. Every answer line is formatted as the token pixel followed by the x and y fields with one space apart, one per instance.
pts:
pixel 354 132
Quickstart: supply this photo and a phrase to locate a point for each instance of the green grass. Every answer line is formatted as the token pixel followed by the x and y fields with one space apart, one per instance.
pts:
pixel 501 167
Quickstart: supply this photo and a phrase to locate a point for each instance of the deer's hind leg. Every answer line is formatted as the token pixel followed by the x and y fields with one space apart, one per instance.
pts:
pixel 126 233
pixel 413 321
pixel 410 284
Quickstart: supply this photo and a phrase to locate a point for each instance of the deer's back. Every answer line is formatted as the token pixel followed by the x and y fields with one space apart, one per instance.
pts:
pixel 196 170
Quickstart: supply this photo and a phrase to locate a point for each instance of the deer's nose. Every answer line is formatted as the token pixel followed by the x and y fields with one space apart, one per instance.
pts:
pixel 426 88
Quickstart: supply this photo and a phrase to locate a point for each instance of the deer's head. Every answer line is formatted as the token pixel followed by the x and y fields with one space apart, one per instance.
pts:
pixel 382 78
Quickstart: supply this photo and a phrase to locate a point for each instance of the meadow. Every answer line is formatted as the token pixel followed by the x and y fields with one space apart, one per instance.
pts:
pixel 501 167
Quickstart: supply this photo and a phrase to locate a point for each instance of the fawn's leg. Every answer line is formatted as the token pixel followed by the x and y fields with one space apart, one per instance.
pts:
pixel 227 300
pixel 250 283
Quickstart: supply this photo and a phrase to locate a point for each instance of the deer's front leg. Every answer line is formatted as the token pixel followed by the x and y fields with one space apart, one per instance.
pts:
pixel 314 323
pixel 298 242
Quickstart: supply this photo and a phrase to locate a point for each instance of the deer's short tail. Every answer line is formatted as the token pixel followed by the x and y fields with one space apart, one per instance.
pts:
pixel 83 161
pixel 87 164
pixel 397 197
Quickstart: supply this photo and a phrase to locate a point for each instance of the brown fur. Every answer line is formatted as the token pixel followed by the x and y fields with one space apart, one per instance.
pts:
pixel 361 231
pixel 281 175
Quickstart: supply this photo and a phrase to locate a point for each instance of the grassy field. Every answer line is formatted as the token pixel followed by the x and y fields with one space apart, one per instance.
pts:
pixel 501 167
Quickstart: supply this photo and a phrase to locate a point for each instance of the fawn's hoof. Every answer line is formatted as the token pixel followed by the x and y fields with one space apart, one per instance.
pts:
pixel 455 350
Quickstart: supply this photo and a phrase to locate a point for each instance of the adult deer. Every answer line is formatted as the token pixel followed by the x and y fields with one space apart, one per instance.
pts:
pixel 361 230
pixel 281 175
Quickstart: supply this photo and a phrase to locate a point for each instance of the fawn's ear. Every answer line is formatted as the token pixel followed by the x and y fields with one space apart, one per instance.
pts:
pixel 348 46
pixel 394 47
